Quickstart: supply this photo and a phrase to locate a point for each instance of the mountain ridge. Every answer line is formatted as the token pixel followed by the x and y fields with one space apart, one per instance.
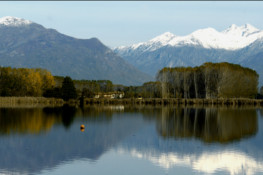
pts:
pixel 170 50
pixel 13 21
pixel 233 38
pixel 30 45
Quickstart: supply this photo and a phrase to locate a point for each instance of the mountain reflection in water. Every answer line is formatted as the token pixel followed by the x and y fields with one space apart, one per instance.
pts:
pixel 33 140
pixel 234 162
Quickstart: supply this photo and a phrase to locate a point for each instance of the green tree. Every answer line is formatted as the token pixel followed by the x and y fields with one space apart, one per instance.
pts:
pixel 53 92
pixel 68 89
pixel 87 93
pixel 210 80
pixel 151 90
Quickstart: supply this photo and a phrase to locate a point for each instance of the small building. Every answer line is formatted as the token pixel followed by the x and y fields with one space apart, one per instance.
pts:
pixel 97 96
pixel 111 95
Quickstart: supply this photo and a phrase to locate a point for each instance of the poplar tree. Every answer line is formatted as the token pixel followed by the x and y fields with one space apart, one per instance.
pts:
pixel 210 80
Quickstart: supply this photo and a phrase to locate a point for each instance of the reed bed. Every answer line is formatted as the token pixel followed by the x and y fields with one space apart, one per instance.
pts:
pixel 42 101
pixel 29 101
pixel 176 101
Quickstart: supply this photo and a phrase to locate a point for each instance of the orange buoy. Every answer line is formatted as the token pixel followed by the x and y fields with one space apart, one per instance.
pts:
pixel 82 127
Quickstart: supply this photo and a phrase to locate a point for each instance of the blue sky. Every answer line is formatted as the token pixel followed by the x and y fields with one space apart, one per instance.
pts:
pixel 118 23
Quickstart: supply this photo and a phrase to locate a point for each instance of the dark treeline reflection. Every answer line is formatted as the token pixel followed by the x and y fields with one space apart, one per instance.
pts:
pixel 41 120
pixel 64 115
pixel 34 120
pixel 208 124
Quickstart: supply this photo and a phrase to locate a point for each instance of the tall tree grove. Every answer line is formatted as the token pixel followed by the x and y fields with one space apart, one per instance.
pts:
pixel 210 80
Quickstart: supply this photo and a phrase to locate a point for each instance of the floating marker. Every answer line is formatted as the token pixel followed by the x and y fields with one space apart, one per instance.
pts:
pixel 82 127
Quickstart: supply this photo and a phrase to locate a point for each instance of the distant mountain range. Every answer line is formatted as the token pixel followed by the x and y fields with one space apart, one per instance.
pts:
pixel 237 44
pixel 24 43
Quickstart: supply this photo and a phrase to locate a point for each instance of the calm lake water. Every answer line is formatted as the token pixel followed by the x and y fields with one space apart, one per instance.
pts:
pixel 122 140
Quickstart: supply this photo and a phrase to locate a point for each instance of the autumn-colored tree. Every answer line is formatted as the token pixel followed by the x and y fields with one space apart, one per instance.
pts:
pixel 24 81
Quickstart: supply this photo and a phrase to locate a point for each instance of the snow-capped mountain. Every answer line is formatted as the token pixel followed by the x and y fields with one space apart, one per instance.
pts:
pixel 236 44
pixel 232 38
pixel 13 21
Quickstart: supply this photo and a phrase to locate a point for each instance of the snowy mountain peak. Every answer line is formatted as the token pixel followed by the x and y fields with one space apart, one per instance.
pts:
pixel 153 44
pixel 233 38
pixel 244 30
pixel 163 38
pixel 204 33
pixel 13 21
pixel 250 27
pixel 206 30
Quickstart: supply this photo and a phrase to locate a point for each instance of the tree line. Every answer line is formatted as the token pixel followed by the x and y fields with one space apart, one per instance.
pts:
pixel 24 82
pixel 40 82
pixel 66 88
pixel 210 80
pixel 147 90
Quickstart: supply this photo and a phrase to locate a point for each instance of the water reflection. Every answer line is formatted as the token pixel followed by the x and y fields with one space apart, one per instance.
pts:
pixel 64 114
pixel 36 139
pixel 232 162
pixel 25 121
pixel 209 124
pixel 261 112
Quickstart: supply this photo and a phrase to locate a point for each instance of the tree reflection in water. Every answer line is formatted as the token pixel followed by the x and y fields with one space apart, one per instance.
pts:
pixel 128 128
pixel 25 121
pixel 209 124
pixel 41 120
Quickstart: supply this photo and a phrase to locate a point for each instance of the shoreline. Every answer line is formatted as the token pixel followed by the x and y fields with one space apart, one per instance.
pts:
pixel 55 102
pixel 30 101
pixel 176 101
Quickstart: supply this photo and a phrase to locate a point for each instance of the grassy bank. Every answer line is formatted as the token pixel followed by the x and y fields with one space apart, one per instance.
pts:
pixel 29 101
pixel 176 101
pixel 41 101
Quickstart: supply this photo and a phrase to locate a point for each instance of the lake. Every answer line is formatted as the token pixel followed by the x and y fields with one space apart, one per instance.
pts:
pixel 128 140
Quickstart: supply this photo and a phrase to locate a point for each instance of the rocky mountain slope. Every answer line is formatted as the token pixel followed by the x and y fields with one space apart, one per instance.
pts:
pixel 27 44
pixel 237 44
